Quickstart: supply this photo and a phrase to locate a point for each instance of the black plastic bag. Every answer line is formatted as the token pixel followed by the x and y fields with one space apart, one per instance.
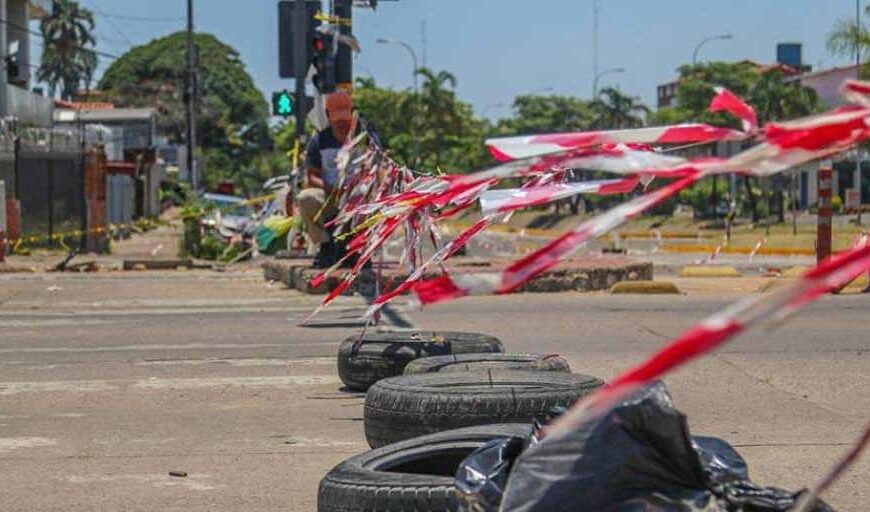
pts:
pixel 482 476
pixel 637 457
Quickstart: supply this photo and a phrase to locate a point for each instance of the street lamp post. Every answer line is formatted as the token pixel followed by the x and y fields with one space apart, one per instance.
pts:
pixel 601 74
pixel 720 37
pixel 411 51
pixel 714 193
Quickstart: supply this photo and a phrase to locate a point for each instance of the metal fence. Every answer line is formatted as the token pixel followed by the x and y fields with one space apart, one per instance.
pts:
pixel 121 196
pixel 47 176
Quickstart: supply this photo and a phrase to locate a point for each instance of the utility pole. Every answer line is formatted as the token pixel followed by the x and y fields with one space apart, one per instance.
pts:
pixel 4 29
pixel 300 65
pixel 190 98
pixel 858 76
pixel 596 6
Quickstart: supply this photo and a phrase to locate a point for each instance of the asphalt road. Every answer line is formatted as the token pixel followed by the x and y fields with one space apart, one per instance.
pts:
pixel 110 381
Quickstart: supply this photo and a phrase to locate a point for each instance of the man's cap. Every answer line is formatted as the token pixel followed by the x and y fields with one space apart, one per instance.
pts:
pixel 339 106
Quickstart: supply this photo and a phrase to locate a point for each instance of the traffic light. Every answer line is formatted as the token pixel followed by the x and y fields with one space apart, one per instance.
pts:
pixel 294 34
pixel 324 62
pixel 282 104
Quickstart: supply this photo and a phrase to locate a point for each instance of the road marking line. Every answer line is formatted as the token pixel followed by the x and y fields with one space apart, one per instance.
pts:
pixel 144 348
pixel 82 386
pixel 15 443
pixel 243 382
pixel 239 362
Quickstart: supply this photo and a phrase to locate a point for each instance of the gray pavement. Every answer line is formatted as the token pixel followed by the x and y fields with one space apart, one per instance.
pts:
pixel 109 381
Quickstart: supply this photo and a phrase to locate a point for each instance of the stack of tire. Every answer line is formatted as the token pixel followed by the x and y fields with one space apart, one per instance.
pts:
pixel 432 399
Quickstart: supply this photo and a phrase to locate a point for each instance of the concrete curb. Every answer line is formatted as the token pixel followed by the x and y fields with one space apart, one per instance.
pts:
pixel 709 271
pixel 646 288
pixel 857 286
pixel 765 251
pixel 6 268
pixel 568 277
pixel 795 271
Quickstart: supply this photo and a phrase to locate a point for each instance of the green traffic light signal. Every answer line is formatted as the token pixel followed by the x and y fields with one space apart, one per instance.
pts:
pixel 282 104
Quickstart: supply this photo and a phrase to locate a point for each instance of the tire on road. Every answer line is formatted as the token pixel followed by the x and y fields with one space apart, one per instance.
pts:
pixel 417 474
pixel 385 354
pixel 473 362
pixel 403 407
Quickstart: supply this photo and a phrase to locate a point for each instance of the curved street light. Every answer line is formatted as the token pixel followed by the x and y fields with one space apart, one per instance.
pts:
pixel 720 37
pixel 601 74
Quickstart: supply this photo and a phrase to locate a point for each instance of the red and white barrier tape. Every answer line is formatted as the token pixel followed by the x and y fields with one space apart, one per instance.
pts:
pixel 718 330
pixel 512 148
pixel 727 101
pixel 788 144
pixel 508 200
pixel 450 287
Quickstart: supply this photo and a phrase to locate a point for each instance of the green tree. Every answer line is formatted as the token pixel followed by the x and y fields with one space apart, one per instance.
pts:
pixel 442 123
pixel 849 37
pixel 614 110
pixel 67 60
pixel 451 138
pixel 696 83
pixel 544 114
pixel 776 100
pixel 390 112
pixel 232 113
pixel 772 97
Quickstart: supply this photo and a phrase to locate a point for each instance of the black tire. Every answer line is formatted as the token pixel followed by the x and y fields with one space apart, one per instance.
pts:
pixel 403 407
pixel 474 362
pixel 417 474
pixel 385 354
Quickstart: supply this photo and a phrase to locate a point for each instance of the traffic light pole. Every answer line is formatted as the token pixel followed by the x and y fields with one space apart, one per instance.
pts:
pixel 300 40
pixel 344 57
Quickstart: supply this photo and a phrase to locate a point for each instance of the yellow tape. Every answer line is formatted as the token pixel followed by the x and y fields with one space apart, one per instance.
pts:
pixel 17 243
pixel 362 226
pixel 257 200
pixel 333 20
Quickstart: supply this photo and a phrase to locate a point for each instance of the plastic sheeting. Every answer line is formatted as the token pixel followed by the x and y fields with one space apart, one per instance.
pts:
pixel 639 456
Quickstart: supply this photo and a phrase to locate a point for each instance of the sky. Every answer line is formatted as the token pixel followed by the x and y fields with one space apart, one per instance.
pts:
pixel 499 49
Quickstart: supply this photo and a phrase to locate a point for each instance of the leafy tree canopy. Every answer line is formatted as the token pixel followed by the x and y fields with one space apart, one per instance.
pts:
pixel 542 114
pixel 232 113
pixel 773 98
pixel 434 123
pixel 155 75
pixel 614 110
pixel 68 58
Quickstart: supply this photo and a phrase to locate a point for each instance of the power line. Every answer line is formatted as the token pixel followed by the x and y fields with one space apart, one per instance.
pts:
pixel 113 25
pixel 42 36
pixel 142 18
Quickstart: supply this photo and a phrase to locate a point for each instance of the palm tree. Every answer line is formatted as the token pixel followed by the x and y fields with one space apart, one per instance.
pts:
pixel 614 110
pixel 850 38
pixel 440 119
pixel 66 61
pixel 365 82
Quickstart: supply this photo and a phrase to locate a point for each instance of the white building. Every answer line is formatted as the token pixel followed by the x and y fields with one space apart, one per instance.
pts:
pixel 850 183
